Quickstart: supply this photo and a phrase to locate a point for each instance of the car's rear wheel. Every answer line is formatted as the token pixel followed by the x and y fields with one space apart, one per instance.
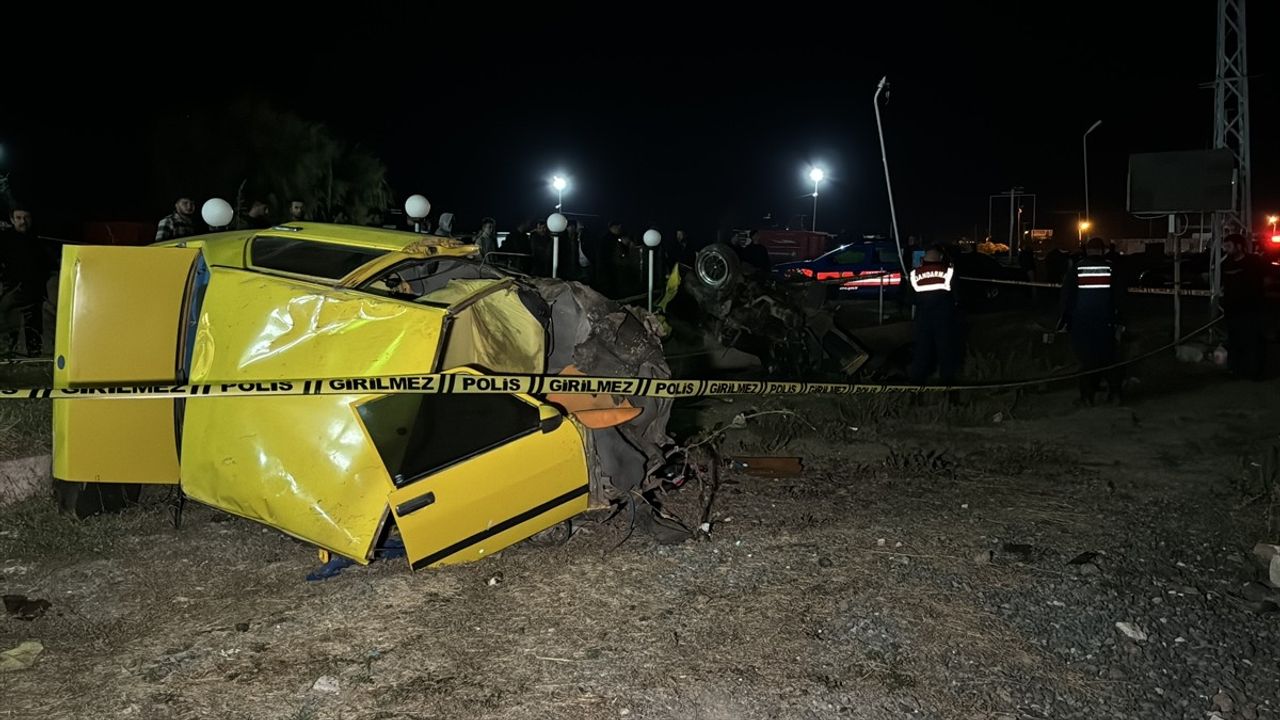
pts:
pixel 717 267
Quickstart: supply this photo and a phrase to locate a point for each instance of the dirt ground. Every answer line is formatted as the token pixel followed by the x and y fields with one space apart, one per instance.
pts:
pixel 919 568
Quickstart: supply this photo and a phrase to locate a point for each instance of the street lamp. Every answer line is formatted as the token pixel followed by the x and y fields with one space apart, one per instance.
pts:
pixel 1272 220
pixel 1084 140
pixel 1084 226
pixel 558 184
pixel 217 213
pixel 417 208
pixel 556 223
pixel 651 238
pixel 816 175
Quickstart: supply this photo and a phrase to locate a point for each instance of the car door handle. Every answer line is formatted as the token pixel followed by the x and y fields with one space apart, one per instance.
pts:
pixel 417 503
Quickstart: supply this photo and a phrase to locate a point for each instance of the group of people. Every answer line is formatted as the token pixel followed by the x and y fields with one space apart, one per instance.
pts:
pixel 1092 297
pixel 27 263
pixel 256 214
pixel 1092 303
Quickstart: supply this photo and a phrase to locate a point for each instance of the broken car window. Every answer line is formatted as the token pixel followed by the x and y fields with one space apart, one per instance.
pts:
pixel 414 279
pixel 304 257
pixel 417 435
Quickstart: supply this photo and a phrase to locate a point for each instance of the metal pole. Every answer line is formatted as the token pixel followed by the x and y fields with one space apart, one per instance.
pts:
pixel 991 201
pixel 650 279
pixel 1012 202
pixel 880 317
pixel 1177 277
pixel 1085 141
pixel 555 255
pixel 1033 212
pixel 814 224
pixel 884 158
pixel 559 201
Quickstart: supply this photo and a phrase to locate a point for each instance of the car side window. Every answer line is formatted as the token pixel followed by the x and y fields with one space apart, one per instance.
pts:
pixel 850 257
pixel 418 434
pixel 305 257
pixel 412 280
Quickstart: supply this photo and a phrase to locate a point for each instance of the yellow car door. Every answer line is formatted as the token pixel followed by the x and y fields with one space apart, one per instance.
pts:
pixel 301 464
pixel 461 475
pixel 121 321
pixel 475 473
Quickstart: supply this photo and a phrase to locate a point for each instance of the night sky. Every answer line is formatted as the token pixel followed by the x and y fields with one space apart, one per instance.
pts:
pixel 663 116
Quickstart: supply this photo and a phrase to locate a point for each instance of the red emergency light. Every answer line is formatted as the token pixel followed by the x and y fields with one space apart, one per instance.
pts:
pixel 1275 239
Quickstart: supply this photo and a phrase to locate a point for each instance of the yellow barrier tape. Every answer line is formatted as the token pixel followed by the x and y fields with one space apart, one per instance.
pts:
pixel 451 383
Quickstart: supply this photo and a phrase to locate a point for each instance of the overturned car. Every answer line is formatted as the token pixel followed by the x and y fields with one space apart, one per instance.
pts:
pixel 456 477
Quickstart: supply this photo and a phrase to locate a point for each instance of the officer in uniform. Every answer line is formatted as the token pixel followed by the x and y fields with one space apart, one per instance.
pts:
pixel 937 327
pixel 1091 294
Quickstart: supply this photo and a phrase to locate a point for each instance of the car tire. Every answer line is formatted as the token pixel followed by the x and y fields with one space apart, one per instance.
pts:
pixel 84 500
pixel 717 267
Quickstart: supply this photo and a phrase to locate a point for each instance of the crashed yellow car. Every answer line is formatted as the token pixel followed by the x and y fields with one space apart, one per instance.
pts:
pixel 457 477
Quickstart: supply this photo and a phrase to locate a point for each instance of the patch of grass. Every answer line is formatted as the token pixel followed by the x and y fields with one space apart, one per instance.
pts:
pixel 36 529
pixel 26 428
pixel 920 461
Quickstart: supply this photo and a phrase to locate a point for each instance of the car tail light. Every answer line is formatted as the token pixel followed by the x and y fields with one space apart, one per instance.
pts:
pixel 886 279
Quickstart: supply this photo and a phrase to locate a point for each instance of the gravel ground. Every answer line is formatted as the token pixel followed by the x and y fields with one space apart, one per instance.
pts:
pixel 920 567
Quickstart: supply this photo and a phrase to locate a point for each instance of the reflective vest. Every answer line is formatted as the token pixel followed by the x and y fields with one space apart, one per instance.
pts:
pixel 1093 275
pixel 932 277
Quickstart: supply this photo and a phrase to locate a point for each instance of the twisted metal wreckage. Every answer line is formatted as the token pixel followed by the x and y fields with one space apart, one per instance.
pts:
pixel 450 478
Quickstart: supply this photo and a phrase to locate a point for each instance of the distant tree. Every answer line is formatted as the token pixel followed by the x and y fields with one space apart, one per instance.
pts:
pixel 250 150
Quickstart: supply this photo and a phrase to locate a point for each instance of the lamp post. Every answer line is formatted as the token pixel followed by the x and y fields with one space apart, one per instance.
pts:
pixel 1083 227
pixel 816 175
pixel 558 184
pixel 416 208
pixel 556 223
pixel 217 213
pixel 1084 140
pixel 652 238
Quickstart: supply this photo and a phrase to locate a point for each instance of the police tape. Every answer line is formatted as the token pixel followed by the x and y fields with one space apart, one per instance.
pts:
pixel 1132 290
pixel 1022 283
pixel 541 385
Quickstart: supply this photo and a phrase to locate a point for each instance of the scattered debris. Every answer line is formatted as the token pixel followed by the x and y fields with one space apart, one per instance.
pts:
pixel 1088 569
pixel 21 657
pixel 335 565
pixel 495 580
pixel 880 542
pixel 242 627
pixel 1259 592
pixel 983 557
pixel 825 562
pixel 24 608
pixel 1264 552
pixel 773 467
pixel 326 684
pixel 1190 352
pixel 1131 631
pixel 1021 550
pixel 1223 703
pixel 1087 556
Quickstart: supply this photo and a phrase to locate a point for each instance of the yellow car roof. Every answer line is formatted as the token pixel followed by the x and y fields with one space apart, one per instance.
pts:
pixel 229 248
